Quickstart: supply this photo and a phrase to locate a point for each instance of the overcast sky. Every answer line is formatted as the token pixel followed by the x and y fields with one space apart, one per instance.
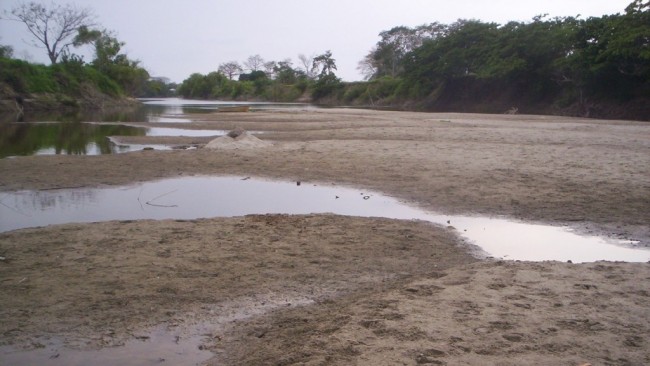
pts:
pixel 175 38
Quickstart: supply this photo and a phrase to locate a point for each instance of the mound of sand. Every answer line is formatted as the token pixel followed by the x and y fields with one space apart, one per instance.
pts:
pixel 237 139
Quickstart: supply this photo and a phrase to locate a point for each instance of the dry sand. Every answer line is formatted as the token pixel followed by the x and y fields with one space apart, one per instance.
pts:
pixel 325 289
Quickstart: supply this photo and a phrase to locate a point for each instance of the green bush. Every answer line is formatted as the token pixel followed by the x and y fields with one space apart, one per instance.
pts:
pixel 24 77
pixel 63 78
pixel 354 92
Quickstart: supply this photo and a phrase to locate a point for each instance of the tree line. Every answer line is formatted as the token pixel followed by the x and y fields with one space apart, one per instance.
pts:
pixel 577 66
pixel 255 78
pixel 595 67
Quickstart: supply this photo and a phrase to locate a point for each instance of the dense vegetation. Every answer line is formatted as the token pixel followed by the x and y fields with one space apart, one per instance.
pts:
pixel 278 81
pixel 69 80
pixel 598 66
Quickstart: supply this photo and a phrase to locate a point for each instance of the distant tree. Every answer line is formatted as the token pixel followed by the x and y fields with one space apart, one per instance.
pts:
pixel 159 87
pixel 253 76
pixel 386 58
pixel 254 63
pixel 367 65
pixel 269 69
pixel 230 69
pixel 6 51
pixel 307 65
pixel 109 60
pixel 53 27
pixel 327 81
pixel 325 63
pixel 284 72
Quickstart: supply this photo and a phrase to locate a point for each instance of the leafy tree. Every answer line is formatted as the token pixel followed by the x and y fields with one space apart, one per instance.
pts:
pixel 159 87
pixel 253 76
pixel 6 51
pixel 325 63
pixel 385 59
pixel 327 81
pixel 628 42
pixel 110 61
pixel 284 72
pixel 193 86
pixel 212 85
pixel 53 27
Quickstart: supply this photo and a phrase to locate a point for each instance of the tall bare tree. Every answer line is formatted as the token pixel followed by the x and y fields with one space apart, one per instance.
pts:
pixel 53 27
pixel 254 63
pixel 306 65
pixel 367 65
pixel 230 69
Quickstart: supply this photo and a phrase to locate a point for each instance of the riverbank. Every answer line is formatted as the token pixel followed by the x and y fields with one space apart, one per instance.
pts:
pixel 314 289
pixel 20 106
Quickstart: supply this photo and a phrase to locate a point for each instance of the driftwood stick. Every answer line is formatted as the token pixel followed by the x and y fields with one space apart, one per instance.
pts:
pixel 150 202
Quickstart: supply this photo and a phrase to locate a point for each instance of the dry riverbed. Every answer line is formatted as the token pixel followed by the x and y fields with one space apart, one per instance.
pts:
pixel 326 289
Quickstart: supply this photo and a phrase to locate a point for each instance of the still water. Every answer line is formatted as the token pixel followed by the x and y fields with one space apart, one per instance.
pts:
pixel 202 197
pixel 61 138
pixel 78 138
pixel 90 133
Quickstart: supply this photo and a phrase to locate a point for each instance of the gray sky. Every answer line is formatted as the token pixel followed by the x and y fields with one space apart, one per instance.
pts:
pixel 175 38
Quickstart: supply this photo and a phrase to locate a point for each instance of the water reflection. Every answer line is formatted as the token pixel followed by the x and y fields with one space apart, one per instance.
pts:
pixel 159 347
pixel 61 138
pixel 150 110
pixel 178 106
pixel 163 131
pixel 197 197
pixel 71 136
pixel 83 138
pixel 126 114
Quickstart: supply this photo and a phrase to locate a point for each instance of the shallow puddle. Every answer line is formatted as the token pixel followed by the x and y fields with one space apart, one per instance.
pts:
pixel 160 347
pixel 203 197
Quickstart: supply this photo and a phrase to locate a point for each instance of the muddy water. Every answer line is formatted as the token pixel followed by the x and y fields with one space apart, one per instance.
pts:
pixel 202 197
pixel 159 347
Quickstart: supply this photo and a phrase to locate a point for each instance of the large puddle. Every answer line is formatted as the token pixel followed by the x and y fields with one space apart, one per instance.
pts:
pixel 203 197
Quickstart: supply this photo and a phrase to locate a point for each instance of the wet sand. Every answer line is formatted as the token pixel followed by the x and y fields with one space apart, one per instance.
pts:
pixel 342 290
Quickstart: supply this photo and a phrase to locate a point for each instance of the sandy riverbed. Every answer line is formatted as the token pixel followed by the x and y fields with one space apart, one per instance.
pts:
pixel 324 289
